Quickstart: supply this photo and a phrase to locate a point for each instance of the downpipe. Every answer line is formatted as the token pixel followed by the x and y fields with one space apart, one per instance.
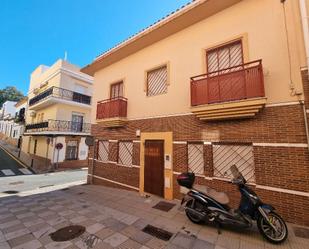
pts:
pixel 306 121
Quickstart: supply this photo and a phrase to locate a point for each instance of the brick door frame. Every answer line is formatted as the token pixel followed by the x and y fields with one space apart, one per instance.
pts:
pixel 167 137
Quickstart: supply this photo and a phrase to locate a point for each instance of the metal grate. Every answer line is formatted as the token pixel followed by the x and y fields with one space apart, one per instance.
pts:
pixel 157 232
pixel 195 158
pixel 103 149
pixel 164 206
pixel 224 156
pixel 157 81
pixel 125 153
pixel 301 232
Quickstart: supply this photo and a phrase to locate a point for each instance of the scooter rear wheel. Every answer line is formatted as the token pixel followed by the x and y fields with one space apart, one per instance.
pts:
pixel 198 207
pixel 268 232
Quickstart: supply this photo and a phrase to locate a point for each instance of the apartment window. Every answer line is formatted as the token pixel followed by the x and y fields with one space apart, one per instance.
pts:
pixel 125 153
pixel 116 90
pixel 71 150
pixel 157 81
pixel 77 122
pixel 103 151
pixel 223 57
pixel 224 156
pixel 196 158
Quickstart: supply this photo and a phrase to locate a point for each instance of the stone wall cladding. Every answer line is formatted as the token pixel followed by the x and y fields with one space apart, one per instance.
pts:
pixel 117 173
pixel 281 167
pixel 73 164
pixel 108 184
pixel 283 124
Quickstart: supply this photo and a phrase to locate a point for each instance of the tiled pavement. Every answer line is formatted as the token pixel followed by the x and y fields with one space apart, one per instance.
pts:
pixel 113 219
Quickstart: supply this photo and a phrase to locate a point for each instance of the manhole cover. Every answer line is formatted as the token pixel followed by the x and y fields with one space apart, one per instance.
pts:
pixel 164 206
pixel 157 232
pixel 67 233
pixel 10 192
pixel 301 232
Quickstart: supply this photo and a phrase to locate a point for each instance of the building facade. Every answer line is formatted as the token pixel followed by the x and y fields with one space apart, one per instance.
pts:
pixel 7 120
pixel 214 84
pixel 58 116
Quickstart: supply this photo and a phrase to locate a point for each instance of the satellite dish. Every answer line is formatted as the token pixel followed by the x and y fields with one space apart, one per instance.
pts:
pixel 89 141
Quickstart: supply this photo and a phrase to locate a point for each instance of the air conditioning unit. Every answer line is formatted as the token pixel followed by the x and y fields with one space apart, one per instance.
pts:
pixel 32 114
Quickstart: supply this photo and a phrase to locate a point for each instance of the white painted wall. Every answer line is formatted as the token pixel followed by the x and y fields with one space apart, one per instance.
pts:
pixel 61 152
pixel 83 149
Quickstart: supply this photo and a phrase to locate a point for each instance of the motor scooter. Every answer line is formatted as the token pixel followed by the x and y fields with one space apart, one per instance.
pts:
pixel 212 206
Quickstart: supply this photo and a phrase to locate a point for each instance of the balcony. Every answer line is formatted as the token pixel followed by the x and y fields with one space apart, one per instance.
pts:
pixel 57 127
pixel 235 92
pixel 55 95
pixel 112 112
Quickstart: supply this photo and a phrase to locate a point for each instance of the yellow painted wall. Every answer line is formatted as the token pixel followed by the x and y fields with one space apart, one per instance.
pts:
pixel 64 112
pixel 262 22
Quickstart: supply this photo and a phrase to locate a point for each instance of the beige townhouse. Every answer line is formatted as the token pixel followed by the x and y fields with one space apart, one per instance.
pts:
pixel 213 84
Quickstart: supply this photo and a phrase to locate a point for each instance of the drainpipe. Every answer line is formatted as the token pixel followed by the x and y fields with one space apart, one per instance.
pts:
pixel 306 121
pixel 304 18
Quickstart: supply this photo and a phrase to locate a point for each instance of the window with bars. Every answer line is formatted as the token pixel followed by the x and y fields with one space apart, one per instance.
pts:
pixel 71 150
pixel 157 81
pixel 224 156
pixel 125 153
pixel 103 150
pixel 196 158
pixel 223 57
pixel 116 90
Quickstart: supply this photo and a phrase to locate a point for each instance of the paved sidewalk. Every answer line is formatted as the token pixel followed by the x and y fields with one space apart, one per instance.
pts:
pixel 113 219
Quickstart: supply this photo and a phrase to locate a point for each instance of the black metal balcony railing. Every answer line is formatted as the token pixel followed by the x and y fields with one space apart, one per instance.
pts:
pixel 62 94
pixel 59 125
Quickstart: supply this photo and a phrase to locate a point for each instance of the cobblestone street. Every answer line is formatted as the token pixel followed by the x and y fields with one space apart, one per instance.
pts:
pixel 113 218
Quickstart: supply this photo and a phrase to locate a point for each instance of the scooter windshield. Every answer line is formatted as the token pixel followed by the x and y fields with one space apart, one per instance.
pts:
pixel 236 173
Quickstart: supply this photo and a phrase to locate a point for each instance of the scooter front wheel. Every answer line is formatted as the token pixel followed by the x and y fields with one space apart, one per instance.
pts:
pixel 196 206
pixel 274 236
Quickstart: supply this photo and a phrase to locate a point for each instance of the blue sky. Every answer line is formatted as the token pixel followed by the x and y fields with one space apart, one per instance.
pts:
pixel 34 32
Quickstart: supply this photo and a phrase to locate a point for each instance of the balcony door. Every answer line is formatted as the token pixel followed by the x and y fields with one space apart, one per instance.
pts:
pixel 226 74
pixel 116 90
pixel 77 122
pixel 224 57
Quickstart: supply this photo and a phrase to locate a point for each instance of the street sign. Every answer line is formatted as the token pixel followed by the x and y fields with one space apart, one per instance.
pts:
pixel 59 146
pixel 89 141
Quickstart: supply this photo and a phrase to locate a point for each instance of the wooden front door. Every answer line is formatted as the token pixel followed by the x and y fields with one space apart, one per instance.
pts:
pixel 154 167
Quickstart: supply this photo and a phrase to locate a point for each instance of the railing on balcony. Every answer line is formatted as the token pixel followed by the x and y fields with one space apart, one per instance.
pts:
pixel 235 83
pixel 61 93
pixel 59 125
pixel 112 108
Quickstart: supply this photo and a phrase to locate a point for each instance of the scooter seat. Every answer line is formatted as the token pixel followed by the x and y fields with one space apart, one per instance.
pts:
pixel 220 197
